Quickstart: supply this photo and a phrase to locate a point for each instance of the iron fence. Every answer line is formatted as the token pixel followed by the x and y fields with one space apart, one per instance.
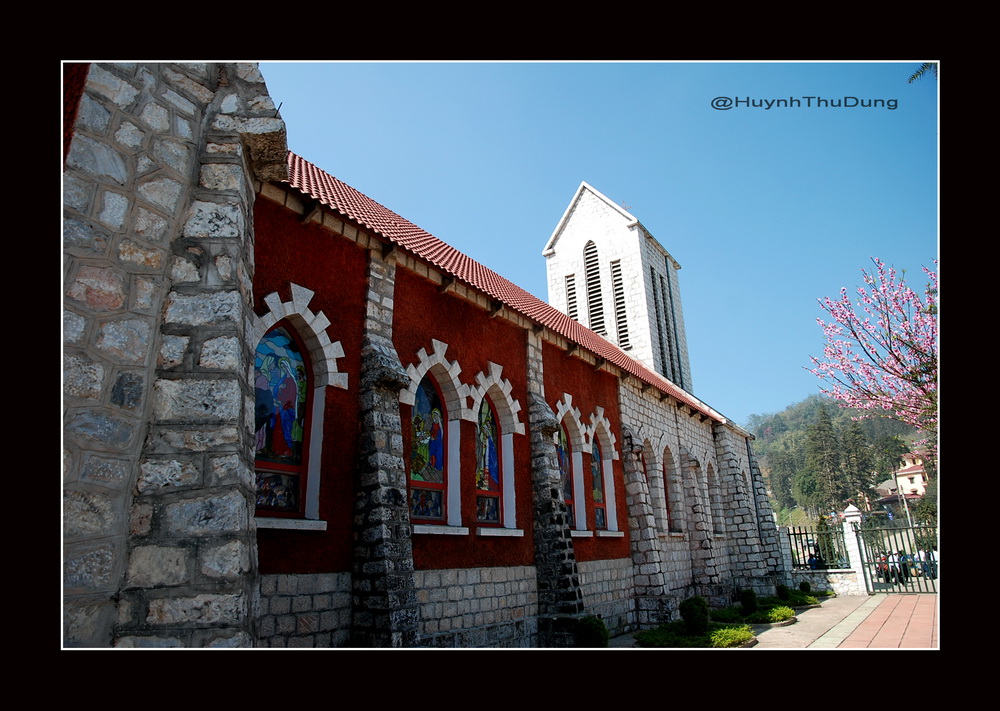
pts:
pixel 899 559
pixel 818 548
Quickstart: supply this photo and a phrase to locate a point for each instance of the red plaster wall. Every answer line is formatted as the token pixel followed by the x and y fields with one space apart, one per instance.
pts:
pixel 590 390
pixel 335 269
pixel 474 339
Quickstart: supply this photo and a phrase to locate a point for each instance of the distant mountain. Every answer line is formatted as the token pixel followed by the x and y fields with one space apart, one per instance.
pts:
pixel 817 456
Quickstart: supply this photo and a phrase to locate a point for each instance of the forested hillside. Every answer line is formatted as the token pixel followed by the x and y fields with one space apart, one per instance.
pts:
pixel 817 458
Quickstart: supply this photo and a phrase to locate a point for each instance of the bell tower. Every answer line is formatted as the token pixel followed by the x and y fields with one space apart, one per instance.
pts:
pixel 605 270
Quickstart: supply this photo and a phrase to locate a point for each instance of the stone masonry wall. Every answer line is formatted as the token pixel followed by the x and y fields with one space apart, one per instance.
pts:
pixel 609 593
pixel 558 580
pixel 158 546
pixel 478 607
pixel 385 605
pixel 305 610
pixel 734 545
pixel 667 430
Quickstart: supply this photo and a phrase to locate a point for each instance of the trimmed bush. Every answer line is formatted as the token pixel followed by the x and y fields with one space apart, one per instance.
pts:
pixel 694 611
pixel 748 599
pixel 731 636
pixel 805 587
pixel 591 632
pixel 783 592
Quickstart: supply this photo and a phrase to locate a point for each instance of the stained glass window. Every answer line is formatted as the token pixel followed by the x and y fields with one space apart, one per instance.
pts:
pixel 281 389
pixel 427 454
pixel 566 471
pixel 487 465
pixel 597 472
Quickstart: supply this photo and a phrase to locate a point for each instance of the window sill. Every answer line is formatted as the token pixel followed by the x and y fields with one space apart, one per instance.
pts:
pixel 290 524
pixel 435 530
pixel 610 534
pixel 581 534
pixel 508 532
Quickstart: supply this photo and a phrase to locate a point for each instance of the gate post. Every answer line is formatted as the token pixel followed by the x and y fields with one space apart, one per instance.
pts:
pixel 852 520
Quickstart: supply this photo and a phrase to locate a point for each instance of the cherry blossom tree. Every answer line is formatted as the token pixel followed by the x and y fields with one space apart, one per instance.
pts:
pixel 881 352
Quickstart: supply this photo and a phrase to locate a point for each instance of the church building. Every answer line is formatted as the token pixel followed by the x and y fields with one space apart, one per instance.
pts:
pixel 293 418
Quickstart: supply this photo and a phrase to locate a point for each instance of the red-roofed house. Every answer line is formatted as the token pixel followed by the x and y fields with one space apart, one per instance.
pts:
pixel 294 418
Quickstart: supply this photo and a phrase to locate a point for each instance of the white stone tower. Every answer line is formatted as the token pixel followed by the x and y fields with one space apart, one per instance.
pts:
pixel 606 270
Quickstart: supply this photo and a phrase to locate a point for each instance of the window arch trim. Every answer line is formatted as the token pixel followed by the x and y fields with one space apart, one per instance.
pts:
pixel 569 418
pixel 601 432
pixel 455 397
pixel 323 353
pixel 507 410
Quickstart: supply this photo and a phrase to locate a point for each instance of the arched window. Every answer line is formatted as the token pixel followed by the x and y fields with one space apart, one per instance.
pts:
pixel 597 472
pixel 282 391
pixel 565 454
pixel 488 477
pixel 713 484
pixel 427 454
pixel 673 498
pixel 667 483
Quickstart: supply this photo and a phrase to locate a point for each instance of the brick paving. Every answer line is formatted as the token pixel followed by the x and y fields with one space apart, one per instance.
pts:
pixel 898 622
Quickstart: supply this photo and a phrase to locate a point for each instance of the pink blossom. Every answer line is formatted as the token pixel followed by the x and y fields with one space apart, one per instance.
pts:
pixel 881 353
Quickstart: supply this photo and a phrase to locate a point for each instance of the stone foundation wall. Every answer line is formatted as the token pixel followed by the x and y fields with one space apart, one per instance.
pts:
pixel 841 581
pixel 305 610
pixel 609 593
pixel 478 607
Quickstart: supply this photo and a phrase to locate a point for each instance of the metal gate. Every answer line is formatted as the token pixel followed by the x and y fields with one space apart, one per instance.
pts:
pixel 899 559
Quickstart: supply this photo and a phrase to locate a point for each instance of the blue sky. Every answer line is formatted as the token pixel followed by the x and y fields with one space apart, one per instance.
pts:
pixel 766 210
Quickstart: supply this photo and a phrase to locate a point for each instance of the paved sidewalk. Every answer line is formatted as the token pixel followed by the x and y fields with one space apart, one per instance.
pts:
pixel 893 621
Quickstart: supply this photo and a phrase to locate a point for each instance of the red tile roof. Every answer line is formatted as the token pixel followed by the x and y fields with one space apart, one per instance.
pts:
pixel 356 206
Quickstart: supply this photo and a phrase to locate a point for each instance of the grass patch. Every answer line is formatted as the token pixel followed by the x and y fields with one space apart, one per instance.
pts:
pixel 729 627
pixel 769 610
pixel 675 635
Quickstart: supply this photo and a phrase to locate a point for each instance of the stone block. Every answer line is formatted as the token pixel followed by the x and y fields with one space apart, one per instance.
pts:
pixel 153 566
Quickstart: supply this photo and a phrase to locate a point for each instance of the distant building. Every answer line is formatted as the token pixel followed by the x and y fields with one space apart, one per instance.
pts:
pixel 911 477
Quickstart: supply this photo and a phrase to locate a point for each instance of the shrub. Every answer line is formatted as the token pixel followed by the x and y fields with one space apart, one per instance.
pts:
pixel 674 635
pixel 670 635
pixel 778 613
pixel 694 611
pixel 731 636
pixel 805 587
pixel 591 632
pixel 783 592
pixel 748 599
pixel 730 614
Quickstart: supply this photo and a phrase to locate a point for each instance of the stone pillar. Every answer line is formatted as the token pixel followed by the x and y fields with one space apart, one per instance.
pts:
pixel 647 561
pixel 768 539
pixel 384 593
pixel 852 521
pixel 560 598
pixel 749 561
pixel 158 238
pixel 786 564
